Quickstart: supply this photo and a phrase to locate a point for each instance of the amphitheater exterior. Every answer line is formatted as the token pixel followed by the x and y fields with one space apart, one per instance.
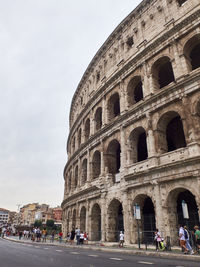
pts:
pixel 135 127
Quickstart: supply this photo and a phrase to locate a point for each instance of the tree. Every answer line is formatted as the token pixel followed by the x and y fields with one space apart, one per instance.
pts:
pixel 50 223
pixel 38 223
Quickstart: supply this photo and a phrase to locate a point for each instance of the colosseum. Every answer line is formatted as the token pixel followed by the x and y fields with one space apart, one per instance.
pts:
pixel 135 128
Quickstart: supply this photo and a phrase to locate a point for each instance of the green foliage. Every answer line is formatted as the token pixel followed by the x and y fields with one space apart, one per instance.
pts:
pixel 50 223
pixel 38 223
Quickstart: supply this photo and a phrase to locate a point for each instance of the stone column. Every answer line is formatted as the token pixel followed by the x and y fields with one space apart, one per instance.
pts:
pixel 123 149
pixel 104 113
pixel 146 86
pixel 158 207
pixel 126 217
pixel 79 173
pixel 150 137
pixel 88 166
pixel 123 98
pixel 87 217
pixel 103 217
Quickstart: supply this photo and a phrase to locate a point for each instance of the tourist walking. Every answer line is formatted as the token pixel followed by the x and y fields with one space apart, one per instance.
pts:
pixel 121 240
pixel 77 236
pixel 197 237
pixel 72 236
pixel 182 239
pixel 187 239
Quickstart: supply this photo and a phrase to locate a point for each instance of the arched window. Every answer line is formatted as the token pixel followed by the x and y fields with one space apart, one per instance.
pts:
pixel 87 129
pixel 138 145
pixel 192 52
pixel 113 157
pixel 98 119
pixel 76 177
pixel 162 72
pixel 79 137
pixel 84 171
pixel 113 106
pixel 134 90
pixel 96 164
pixel 170 133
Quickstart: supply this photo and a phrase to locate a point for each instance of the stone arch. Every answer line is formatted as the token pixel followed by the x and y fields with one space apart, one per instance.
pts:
pixel 87 129
pixel 170 133
pixel 113 107
pixel 98 119
pixel 79 137
pixel 84 172
pixel 113 161
pixel 134 90
pixel 74 219
pixel 175 213
pixel 148 220
pixel 115 220
pixel 162 72
pixel 192 52
pixel 96 164
pixel 96 223
pixel 83 219
pixel 73 143
pixel 181 2
pixel 137 145
pixel 76 176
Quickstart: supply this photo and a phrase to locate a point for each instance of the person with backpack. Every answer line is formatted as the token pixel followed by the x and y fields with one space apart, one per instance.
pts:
pixel 182 239
pixel 187 239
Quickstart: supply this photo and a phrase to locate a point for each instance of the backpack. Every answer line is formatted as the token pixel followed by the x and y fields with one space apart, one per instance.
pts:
pixel 185 234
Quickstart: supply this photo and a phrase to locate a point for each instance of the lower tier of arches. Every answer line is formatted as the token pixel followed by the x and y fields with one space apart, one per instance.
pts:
pixel 160 207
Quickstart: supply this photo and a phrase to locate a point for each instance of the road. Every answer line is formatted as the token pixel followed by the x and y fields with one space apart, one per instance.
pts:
pixel 36 255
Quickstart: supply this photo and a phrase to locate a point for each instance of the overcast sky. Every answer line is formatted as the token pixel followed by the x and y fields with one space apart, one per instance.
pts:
pixel 45 47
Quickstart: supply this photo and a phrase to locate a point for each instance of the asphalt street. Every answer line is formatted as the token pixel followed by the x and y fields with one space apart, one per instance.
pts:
pixel 28 255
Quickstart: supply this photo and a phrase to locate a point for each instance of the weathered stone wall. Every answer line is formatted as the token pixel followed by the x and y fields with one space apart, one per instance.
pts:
pixel 134 127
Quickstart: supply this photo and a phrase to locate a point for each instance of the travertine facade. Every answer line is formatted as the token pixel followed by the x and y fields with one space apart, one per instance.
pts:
pixel 135 127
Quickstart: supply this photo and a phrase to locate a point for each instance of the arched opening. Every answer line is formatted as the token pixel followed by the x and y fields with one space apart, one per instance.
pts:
pixel 134 90
pixel 162 72
pixel 76 177
pixel 113 106
pixel 84 172
pixel 170 133
pixel 181 2
pixel 137 145
pixel 147 224
pixel 192 52
pixel 70 182
pixel 79 137
pixel 175 212
pixel 96 164
pixel 115 220
pixel 113 157
pixel 96 223
pixel 83 219
pixel 87 129
pixel 74 219
pixel 98 119
pixel 73 144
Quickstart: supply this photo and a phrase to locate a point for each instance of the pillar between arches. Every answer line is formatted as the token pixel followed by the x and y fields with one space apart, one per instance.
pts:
pixel 126 217
pixel 103 219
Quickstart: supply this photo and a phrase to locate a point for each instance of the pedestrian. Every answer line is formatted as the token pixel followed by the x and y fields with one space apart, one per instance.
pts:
pixel 20 235
pixel 60 235
pixel 159 241
pixel 182 239
pixel 197 237
pixel 72 236
pixel 85 238
pixel 81 238
pixel 77 236
pixel 121 240
pixel 187 239
pixel 52 236
pixel 44 235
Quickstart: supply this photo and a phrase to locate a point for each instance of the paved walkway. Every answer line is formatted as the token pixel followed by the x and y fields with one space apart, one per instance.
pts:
pixel 112 247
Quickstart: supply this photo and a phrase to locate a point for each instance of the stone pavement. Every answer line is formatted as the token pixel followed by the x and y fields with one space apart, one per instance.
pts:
pixel 112 247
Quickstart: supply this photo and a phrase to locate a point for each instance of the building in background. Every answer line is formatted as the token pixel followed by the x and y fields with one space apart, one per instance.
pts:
pixel 4 216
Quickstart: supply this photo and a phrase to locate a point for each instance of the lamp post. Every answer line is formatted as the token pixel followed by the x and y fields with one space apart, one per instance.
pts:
pixel 137 216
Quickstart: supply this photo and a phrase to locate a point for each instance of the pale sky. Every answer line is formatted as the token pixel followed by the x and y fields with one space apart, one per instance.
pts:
pixel 45 47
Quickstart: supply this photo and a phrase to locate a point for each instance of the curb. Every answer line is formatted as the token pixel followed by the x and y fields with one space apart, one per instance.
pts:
pixel 163 255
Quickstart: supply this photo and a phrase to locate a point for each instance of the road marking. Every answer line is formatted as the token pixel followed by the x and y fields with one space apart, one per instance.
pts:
pixel 75 253
pixel 36 247
pixel 145 262
pixel 29 245
pixel 58 250
pixel 116 259
pixel 46 248
pixel 93 255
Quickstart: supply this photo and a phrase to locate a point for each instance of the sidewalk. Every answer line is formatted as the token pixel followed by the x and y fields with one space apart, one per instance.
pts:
pixel 112 247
